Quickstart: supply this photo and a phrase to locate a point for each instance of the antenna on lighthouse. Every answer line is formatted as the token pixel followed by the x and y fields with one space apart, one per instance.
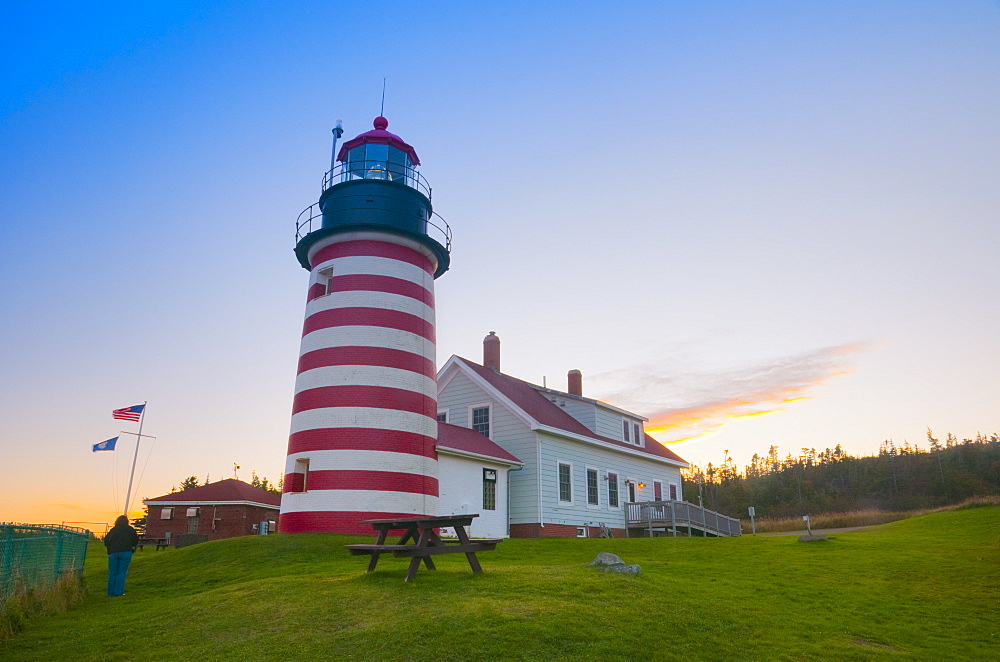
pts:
pixel 338 131
pixel 381 111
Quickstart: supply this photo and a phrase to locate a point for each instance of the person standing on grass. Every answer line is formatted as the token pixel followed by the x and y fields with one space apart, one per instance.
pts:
pixel 121 541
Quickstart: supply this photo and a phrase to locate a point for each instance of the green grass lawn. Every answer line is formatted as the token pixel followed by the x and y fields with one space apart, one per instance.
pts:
pixel 924 588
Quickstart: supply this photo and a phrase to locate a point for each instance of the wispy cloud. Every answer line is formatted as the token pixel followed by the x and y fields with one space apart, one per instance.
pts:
pixel 683 406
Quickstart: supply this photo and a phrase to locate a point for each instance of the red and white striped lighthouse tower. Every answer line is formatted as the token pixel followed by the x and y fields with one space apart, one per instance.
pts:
pixel 364 417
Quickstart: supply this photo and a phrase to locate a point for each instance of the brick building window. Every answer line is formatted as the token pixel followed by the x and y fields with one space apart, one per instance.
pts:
pixel 167 513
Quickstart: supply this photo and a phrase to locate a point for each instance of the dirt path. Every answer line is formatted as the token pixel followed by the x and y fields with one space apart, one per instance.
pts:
pixel 817 532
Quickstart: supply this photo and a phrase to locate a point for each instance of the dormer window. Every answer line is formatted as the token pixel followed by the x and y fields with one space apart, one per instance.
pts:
pixel 632 432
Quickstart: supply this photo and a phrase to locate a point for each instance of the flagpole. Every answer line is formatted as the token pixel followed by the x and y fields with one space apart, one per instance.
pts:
pixel 135 456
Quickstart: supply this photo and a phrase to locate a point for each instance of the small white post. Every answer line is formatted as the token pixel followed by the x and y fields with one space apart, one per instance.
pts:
pixel 753 524
pixel 805 518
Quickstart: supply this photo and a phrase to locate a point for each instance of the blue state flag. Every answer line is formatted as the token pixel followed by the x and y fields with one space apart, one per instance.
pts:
pixel 108 445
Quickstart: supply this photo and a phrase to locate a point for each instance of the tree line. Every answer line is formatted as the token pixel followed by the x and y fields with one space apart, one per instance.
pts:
pixel 255 480
pixel 900 477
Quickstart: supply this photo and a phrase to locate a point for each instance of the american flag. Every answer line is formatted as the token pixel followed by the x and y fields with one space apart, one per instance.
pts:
pixel 128 413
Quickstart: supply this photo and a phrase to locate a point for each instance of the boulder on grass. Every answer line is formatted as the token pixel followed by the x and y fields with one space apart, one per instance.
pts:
pixel 609 562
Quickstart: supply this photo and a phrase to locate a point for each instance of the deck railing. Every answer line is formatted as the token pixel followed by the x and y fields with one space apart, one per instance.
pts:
pixel 311 219
pixel 674 514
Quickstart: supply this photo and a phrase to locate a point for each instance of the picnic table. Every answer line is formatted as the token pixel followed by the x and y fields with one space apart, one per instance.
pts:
pixel 420 541
pixel 161 543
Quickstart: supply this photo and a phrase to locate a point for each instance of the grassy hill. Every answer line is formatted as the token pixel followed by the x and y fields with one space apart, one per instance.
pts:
pixel 924 588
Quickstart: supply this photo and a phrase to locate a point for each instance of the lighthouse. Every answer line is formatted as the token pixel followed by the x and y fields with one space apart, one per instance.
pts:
pixel 364 416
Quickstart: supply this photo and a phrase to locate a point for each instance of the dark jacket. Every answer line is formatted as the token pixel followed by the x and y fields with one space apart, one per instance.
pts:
pixel 121 539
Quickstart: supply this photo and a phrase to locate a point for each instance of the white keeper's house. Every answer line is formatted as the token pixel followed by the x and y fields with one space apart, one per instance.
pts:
pixel 556 463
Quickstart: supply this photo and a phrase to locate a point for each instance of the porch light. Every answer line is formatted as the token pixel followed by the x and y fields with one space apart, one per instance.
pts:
pixel 642 485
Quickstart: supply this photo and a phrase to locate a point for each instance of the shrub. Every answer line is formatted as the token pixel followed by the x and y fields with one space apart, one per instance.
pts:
pixel 23 603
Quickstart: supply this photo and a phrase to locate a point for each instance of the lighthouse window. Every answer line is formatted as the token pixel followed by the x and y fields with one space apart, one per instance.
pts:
pixel 356 162
pixel 301 469
pixel 399 165
pixel 326 281
pixel 377 162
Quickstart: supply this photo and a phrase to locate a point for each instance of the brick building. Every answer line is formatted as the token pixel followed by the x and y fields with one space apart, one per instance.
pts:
pixel 225 509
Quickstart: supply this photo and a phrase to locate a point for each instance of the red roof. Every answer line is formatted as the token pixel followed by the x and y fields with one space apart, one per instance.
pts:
pixel 470 441
pixel 379 136
pixel 548 413
pixel 224 490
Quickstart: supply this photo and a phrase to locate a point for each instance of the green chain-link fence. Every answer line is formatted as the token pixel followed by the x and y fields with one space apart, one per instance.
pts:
pixel 34 555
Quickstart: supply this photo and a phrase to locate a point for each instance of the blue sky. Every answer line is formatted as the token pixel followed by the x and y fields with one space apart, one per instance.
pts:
pixel 713 210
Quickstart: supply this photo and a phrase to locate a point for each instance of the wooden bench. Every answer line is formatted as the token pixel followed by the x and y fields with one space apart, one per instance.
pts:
pixel 448 547
pixel 425 542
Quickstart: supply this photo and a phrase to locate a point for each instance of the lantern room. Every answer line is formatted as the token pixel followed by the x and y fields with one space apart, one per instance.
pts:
pixel 375 186
pixel 380 155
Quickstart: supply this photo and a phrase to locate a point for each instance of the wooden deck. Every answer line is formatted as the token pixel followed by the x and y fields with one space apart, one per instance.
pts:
pixel 678 517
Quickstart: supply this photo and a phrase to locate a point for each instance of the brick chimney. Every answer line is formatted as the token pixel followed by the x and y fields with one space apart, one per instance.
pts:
pixel 491 351
pixel 575 379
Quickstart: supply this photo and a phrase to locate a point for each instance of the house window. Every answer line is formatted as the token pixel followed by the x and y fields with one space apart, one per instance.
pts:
pixel 481 420
pixel 613 490
pixel 657 490
pixel 489 489
pixel 302 469
pixel 565 482
pixel 167 513
pixel 637 429
pixel 443 416
pixel 631 490
pixel 625 429
pixel 592 493
pixel 673 492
